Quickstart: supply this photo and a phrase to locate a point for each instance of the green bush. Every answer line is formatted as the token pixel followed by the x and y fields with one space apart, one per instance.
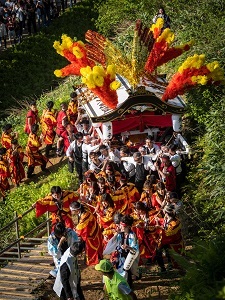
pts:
pixel 27 69
pixel 204 279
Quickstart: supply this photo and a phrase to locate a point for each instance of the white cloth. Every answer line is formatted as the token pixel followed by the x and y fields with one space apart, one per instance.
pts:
pixel 146 160
pixel 71 262
pixel 176 162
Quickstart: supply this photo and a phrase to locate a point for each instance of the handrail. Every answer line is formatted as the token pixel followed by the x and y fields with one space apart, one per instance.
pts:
pixel 16 219
pixel 22 238
pixel 18 237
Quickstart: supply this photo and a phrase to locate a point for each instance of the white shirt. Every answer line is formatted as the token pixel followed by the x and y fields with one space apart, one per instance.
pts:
pixel 86 149
pixel 146 160
pixel 176 162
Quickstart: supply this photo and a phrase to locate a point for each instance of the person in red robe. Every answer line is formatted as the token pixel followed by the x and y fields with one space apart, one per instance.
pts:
pixel 72 108
pixel 4 174
pixel 15 156
pixel 34 156
pixel 8 136
pixel 105 210
pixel 167 173
pixel 145 221
pixel 89 230
pixel 171 238
pixel 48 124
pixel 130 190
pixel 58 204
pixel 65 139
pixel 31 117
pixel 62 119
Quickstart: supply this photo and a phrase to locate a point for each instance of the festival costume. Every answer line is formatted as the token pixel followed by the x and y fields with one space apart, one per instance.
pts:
pixel 67 140
pixel 120 200
pixel 171 178
pixel 60 211
pixel 108 233
pixel 155 203
pixel 132 195
pixel 33 115
pixel 146 199
pixel 6 140
pixel 112 287
pixel 4 175
pixel 16 164
pixel 147 234
pixel 89 230
pixel 105 217
pixel 171 238
pixel 72 112
pixel 171 235
pixel 48 123
pixel 60 128
pixel 34 156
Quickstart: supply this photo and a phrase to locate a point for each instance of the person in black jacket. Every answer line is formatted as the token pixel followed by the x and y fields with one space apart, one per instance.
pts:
pixel 74 152
pixel 67 283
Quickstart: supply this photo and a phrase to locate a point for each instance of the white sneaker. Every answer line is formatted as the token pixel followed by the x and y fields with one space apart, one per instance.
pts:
pixel 53 272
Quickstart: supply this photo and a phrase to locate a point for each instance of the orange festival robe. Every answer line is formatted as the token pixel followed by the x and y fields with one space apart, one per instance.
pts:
pixel 4 175
pixel 172 236
pixel 16 164
pixel 57 215
pixel 148 235
pixel 89 230
pixel 34 156
pixel 48 123
pixel 132 195
pixel 6 140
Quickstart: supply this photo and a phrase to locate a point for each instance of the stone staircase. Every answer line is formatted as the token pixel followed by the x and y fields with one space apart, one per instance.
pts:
pixel 20 278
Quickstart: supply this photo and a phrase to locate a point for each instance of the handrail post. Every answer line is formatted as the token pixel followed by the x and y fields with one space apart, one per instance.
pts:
pixel 48 224
pixel 17 235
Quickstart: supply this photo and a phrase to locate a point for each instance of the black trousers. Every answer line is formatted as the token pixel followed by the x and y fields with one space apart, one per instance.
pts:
pixel 79 291
pixel 159 257
pixel 78 167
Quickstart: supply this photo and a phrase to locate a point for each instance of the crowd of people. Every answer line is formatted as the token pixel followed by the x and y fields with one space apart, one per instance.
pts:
pixel 127 205
pixel 20 16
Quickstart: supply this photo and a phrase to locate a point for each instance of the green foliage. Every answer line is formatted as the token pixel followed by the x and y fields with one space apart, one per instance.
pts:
pixel 207 178
pixel 111 13
pixel 204 279
pixel 28 68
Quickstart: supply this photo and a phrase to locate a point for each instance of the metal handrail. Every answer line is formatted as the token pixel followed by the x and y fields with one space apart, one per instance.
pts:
pixel 16 219
pixel 18 238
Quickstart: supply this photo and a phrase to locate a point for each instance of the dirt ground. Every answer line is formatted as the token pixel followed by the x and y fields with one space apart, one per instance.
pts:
pixel 151 286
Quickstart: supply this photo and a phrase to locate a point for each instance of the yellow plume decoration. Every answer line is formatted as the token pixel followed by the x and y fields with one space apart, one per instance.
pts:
pixel 67 42
pixel 159 24
pixel 58 73
pixel 85 71
pixel 77 52
pixel 200 79
pixel 195 61
pixel 111 70
pixel 115 85
pixel 98 79
pixel 166 35
pixel 100 70
pixel 58 48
